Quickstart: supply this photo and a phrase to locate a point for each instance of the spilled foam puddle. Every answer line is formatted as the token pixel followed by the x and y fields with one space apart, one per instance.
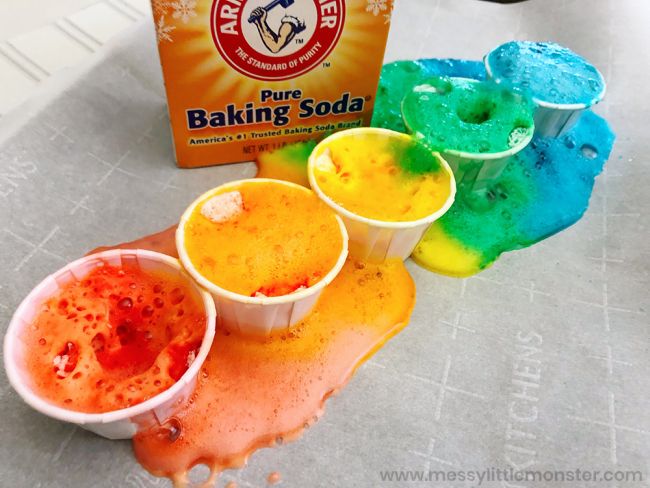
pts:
pixel 543 190
pixel 255 393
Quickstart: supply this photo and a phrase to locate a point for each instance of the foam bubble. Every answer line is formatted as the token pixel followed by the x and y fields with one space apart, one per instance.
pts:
pixel 324 162
pixel 223 207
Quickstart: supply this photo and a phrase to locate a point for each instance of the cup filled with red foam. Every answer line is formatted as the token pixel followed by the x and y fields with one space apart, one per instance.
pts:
pixel 387 187
pixel 264 248
pixel 477 126
pixel 112 342
pixel 561 83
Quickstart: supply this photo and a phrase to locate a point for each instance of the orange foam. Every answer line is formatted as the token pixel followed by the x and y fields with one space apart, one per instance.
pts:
pixel 253 393
pixel 283 239
pixel 113 339
pixel 256 393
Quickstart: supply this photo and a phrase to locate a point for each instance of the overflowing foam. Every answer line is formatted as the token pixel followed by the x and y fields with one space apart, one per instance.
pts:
pixel 114 338
pixel 547 71
pixel 457 114
pixel 545 189
pixel 400 77
pixel 255 393
pixel 288 163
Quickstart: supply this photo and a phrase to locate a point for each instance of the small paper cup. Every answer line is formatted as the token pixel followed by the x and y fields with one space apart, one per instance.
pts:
pixel 371 239
pixel 258 315
pixel 478 170
pixel 117 424
pixel 552 119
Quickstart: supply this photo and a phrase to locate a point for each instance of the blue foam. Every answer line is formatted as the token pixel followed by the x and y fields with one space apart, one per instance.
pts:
pixel 547 72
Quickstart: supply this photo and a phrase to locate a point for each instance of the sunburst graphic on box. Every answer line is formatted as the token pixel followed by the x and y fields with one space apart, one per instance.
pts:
pixel 184 32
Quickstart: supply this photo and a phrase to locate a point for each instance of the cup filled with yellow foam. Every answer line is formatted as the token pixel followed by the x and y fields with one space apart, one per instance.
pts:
pixel 264 248
pixel 112 342
pixel 386 186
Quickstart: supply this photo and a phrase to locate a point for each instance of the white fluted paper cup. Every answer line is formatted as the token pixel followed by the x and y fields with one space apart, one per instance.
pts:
pixel 478 170
pixel 372 239
pixel 551 119
pixel 116 424
pixel 555 119
pixel 258 315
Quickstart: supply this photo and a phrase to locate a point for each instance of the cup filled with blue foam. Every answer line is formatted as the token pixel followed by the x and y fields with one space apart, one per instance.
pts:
pixel 560 82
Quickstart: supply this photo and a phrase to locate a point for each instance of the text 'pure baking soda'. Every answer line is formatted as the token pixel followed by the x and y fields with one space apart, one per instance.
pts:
pixel 245 76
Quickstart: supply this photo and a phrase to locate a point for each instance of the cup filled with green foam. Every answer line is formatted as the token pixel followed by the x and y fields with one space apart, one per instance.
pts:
pixel 386 186
pixel 476 126
pixel 560 82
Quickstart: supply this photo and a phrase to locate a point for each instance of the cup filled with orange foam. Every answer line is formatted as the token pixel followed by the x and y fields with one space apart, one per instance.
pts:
pixel 112 342
pixel 264 248
pixel 387 187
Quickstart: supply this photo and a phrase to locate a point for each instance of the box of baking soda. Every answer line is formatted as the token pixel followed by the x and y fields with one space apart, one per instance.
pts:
pixel 245 76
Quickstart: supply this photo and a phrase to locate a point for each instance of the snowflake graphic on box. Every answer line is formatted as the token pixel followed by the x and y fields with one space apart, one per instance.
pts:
pixel 389 15
pixel 159 7
pixel 163 30
pixel 377 6
pixel 180 10
pixel 184 10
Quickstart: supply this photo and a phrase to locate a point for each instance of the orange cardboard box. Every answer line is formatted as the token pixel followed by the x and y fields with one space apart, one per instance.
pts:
pixel 244 76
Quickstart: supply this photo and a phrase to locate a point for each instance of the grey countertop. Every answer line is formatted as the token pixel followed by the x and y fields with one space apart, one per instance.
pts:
pixel 96 166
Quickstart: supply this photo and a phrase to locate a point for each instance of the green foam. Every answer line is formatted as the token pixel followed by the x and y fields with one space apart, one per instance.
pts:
pixel 415 158
pixel 396 79
pixel 456 114
pixel 544 189
pixel 489 222
pixel 298 153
